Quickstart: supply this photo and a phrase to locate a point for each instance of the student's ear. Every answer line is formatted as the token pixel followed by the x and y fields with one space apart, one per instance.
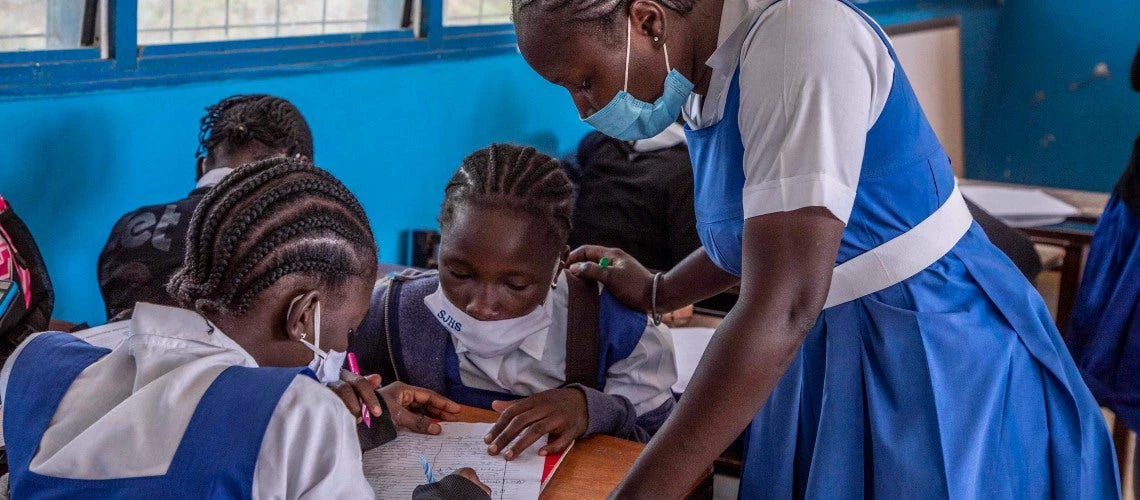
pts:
pixel 300 316
pixel 201 168
pixel 649 18
pixel 565 254
pixel 562 258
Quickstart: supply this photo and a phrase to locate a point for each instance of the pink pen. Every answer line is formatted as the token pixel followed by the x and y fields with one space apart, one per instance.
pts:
pixel 355 368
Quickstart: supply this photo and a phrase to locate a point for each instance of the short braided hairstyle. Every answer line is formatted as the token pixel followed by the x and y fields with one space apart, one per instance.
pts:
pixel 265 221
pixel 239 119
pixel 603 15
pixel 514 177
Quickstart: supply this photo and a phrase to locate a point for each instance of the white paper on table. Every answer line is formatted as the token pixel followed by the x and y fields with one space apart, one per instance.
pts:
pixel 689 345
pixel 1019 207
pixel 394 469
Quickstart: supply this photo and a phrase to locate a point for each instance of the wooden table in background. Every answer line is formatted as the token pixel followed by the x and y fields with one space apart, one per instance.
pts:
pixel 1073 235
pixel 593 467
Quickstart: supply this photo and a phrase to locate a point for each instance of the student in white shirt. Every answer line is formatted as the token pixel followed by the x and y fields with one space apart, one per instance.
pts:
pixel 225 398
pixel 495 328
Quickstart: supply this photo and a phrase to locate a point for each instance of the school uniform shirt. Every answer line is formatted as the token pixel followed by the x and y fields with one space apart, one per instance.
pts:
pixel 124 415
pixel 949 380
pixel 644 378
pixel 1104 331
pixel 146 247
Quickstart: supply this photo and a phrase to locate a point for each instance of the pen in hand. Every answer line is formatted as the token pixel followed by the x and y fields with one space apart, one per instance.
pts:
pixel 355 368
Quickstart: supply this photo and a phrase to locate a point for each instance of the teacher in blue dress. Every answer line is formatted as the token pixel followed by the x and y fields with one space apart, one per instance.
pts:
pixel 881 346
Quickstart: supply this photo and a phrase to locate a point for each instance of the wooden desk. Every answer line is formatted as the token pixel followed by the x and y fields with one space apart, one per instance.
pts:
pixel 593 468
pixel 1074 237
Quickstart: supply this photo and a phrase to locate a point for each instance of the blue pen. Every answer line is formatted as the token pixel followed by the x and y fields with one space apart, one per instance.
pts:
pixel 427 469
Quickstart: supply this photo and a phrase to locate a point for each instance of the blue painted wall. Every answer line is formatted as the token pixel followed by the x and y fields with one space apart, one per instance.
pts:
pixel 394 134
pixel 979 21
pixel 1079 139
pixel 73 164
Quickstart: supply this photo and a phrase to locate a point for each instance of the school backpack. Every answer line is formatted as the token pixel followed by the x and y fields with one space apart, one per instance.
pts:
pixel 26 294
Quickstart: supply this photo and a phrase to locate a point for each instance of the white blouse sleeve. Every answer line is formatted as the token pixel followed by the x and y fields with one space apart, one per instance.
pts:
pixel 814 77
pixel 310 449
pixel 647 376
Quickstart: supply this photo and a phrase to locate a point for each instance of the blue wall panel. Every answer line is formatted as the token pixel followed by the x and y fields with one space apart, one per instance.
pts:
pixel 394 134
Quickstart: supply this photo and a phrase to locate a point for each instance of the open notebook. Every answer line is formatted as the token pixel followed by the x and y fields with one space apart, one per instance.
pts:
pixel 394 469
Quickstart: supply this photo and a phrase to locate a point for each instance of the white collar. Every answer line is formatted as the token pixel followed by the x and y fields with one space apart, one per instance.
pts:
pixel 212 177
pixel 668 138
pixel 736 20
pixel 165 324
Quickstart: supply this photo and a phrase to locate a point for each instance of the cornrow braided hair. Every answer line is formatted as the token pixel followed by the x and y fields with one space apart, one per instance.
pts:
pixel 265 221
pixel 603 14
pixel 239 119
pixel 515 177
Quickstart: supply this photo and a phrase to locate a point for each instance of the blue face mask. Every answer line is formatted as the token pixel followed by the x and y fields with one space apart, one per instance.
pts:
pixel 628 119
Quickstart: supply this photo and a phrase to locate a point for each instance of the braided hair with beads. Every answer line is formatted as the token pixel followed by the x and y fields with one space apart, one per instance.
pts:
pixel 514 177
pixel 237 120
pixel 265 221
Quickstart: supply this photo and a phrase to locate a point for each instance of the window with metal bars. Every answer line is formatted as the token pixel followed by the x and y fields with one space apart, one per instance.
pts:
pixel 43 24
pixel 476 12
pixel 182 21
pixel 59 46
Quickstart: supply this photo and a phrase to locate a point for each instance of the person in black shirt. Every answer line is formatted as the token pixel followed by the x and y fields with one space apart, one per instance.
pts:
pixel 147 245
pixel 637 196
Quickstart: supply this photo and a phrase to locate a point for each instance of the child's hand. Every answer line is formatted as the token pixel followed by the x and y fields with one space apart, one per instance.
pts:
pixel 353 389
pixel 469 474
pixel 561 413
pixel 414 407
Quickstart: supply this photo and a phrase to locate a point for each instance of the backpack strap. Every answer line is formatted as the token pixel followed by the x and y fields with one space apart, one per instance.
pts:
pixel 582 331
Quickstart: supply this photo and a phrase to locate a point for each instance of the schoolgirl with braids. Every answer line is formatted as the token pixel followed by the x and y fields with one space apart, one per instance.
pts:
pixel 500 327
pixel 146 245
pixel 881 346
pixel 225 398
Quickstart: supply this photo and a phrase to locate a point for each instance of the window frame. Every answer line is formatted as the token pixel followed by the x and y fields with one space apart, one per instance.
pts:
pixel 120 62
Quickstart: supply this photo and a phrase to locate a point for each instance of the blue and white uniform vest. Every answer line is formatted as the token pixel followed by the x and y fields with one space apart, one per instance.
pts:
pixel 416 345
pixel 218 451
pixel 936 374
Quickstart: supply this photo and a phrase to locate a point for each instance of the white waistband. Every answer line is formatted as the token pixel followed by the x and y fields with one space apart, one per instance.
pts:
pixel 903 256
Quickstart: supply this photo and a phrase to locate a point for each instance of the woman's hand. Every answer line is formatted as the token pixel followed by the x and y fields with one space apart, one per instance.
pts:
pixel 694 279
pixel 353 388
pixel 414 408
pixel 561 413
pixel 623 275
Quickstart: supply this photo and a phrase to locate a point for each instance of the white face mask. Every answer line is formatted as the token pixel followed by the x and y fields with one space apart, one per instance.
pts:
pixel 326 365
pixel 488 339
